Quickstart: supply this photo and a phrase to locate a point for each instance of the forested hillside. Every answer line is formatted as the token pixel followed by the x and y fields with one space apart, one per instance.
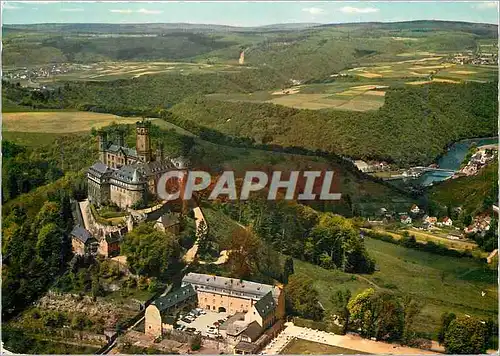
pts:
pixel 412 127
pixel 144 94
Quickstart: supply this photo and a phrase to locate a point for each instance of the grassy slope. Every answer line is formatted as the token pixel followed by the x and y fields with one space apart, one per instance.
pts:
pixel 441 283
pixel 59 122
pixel 305 347
pixel 368 196
pixel 468 192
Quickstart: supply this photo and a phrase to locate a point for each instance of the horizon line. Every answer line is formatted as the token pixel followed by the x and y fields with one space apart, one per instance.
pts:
pixel 255 26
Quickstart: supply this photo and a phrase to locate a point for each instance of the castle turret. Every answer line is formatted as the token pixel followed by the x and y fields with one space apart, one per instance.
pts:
pixel 143 142
pixel 102 142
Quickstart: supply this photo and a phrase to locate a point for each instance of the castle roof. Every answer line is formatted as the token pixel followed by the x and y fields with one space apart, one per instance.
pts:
pixel 129 174
pixel 99 169
pixel 155 167
pixel 126 150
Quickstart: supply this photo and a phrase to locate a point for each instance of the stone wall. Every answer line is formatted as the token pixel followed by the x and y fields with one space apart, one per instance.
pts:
pixel 125 198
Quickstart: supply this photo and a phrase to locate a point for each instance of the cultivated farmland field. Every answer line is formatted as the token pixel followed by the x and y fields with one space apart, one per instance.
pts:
pixel 59 122
pixel 342 96
pixel 104 71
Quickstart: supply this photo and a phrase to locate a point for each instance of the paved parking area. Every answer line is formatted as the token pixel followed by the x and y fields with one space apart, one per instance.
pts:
pixel 203 321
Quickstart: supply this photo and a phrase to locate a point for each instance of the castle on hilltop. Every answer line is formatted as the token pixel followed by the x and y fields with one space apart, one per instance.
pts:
pixel 125 176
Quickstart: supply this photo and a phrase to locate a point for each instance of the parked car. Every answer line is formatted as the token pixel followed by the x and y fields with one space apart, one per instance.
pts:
pixel 191 330
pixel 190 317
pixel 186 320
pixel 221 321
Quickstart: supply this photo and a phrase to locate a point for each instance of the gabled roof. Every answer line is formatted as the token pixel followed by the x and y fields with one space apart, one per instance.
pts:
pixel 128 174
pixel 246 347
pixel 168 219
pixel 81 234
pixel 253 331
pixel 265 305
pixel 173 298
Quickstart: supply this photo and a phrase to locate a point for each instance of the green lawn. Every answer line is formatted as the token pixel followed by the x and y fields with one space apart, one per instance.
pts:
pixel 305 347
pixel 441 283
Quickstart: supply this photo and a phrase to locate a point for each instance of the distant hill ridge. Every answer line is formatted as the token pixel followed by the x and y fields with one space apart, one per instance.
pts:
pixel 478 28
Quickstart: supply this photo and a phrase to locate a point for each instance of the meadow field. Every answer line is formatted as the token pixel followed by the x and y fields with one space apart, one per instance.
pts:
pixel 363 88
pixel 411 71
pixel 440 283
pixel 341 96
pixel 305 347
pixel 58 121
pixel 436 237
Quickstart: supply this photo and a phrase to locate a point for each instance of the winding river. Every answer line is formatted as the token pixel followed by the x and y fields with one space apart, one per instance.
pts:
pixel 452 160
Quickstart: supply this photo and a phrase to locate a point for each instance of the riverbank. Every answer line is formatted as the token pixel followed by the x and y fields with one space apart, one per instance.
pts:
pixel 451 160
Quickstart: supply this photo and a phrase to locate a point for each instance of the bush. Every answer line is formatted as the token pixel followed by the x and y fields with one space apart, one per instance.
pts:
pixel 317 325
pixel 196 342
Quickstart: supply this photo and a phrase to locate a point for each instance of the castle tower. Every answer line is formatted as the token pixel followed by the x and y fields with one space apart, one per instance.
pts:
pixel 102 142
pixel 143 142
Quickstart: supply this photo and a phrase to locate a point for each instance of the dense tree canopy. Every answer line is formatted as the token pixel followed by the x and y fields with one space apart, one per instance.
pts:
pixel 151 252
pixel 466 335
pixel 302 298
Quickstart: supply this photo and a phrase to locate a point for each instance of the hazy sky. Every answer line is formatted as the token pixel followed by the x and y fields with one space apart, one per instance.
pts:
pixel 243 13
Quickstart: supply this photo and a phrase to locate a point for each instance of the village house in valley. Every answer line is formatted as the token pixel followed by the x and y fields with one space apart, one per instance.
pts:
pixel 405 219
